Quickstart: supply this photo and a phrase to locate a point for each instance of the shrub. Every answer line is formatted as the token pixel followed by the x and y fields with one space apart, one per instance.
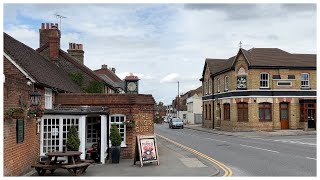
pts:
pixel 73 141
pixel 95 87
pixel 115 136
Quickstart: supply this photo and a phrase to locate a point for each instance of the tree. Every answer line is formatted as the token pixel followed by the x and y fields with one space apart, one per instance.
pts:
pixel 73 141
pixel 115 136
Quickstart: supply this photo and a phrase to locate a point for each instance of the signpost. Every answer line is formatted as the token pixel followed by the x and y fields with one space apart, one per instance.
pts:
pixel 146 149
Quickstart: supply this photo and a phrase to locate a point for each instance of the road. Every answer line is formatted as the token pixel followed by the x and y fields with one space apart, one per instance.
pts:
pixel 251 156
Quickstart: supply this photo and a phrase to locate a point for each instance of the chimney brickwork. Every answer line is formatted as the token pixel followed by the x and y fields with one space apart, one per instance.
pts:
pixel 49 33
pixel 76 51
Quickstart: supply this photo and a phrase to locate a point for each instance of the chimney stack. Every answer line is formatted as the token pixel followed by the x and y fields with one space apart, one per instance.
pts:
pixel 113 70
pixel 50 33
pixel 104 66
pixel 76 51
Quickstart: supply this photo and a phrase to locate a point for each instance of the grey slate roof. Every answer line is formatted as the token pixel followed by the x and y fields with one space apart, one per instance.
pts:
pixel 43 71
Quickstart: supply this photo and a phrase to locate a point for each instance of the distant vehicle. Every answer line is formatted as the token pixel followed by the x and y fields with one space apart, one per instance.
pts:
pixel 176 123
pixel 167 119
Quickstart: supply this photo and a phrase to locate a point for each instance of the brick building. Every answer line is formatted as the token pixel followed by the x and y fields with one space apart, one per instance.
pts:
pixel 26 71
pixel 47 71
pixel 260 89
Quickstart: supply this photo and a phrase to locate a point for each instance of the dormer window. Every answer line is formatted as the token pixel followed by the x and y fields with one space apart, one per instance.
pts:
pixel 48 98
pixel 264 80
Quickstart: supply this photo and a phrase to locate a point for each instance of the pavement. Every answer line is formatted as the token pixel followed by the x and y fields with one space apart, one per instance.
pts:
pixel 174 161
pixel 288 132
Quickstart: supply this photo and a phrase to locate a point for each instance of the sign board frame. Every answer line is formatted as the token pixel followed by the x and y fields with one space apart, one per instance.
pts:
pixel 146 150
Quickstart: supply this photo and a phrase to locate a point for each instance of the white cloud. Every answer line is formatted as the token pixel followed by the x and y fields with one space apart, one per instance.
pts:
pixel 24 34
pixel 170 78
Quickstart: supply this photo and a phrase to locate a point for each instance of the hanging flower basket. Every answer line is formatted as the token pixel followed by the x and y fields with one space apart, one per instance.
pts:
pixel 129 124
pixel 18 113
pixel 36 112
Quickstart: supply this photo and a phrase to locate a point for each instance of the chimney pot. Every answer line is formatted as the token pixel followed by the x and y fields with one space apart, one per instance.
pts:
pixel 47 25
pixel 104 66
pixel 42 25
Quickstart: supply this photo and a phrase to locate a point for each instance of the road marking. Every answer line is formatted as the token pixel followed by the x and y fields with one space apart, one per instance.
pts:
pixel 259 148
pixel 225 168
pixel 295 142
pixel 311 158
pixel 216 140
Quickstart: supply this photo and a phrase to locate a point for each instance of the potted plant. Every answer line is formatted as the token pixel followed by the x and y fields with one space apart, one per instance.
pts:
pixel 73 141
pixel 115 138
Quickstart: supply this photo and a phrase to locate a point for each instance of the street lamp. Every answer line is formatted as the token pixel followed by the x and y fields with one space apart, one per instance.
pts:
pixel 178 102
pixel 35 98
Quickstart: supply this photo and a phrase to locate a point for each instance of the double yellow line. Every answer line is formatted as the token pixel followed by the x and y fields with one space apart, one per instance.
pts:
pixel 225 168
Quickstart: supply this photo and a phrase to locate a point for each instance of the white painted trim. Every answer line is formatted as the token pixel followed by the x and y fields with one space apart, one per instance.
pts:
pixel 103 139
pixel 41 138
pixel 284 79
pixel 268 79
pixel 260 90
pixel 260 97
pixel 17 66
pixel 82 136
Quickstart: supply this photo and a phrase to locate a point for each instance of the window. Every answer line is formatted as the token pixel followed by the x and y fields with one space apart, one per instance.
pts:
pixel 243 111
pixel 210 111
pixel 264 80
pixel 226 83
pixel 205 113
pixel 206 87
pixel 265 112
pixel 48 98
pixel 304 80
pixel 118 119
pixel 226 111
pixel 218 81
pixel 210 86
pixel 54 133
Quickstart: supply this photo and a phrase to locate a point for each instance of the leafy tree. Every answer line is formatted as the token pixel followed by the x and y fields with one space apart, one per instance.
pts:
pixel 115 136
pixel 73 141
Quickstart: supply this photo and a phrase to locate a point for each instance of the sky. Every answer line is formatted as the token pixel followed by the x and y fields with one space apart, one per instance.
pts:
pixel 166 43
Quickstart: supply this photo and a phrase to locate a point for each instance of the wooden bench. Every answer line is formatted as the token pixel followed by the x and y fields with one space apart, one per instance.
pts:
pixel 41 168
pixel 76 169
pixel 59 161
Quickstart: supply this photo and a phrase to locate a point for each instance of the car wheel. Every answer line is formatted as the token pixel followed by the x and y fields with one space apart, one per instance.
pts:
pixel 182 127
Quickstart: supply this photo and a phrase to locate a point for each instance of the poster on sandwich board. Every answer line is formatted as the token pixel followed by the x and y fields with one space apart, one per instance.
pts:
pixel 146 149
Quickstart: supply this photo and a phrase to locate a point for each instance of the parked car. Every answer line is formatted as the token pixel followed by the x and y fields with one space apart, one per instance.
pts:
pixel 176 123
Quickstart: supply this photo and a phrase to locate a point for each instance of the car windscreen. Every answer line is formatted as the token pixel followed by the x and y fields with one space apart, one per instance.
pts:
pixel 176 120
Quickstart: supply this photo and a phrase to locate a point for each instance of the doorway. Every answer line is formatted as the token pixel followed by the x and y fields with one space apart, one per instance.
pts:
pixel 284 116
pixel 93 138
pixel 311 118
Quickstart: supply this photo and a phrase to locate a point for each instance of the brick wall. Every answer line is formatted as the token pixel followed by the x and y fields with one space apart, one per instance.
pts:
pixel 137 107
pixel 17 158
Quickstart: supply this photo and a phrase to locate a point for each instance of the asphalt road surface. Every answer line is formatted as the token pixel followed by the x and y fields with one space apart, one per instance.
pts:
pixel 249 156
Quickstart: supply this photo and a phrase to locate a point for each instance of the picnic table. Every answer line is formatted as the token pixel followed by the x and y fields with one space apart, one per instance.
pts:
pixel 74 165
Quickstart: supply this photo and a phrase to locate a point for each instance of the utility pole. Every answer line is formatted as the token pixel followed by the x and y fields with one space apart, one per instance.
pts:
pixel 178 102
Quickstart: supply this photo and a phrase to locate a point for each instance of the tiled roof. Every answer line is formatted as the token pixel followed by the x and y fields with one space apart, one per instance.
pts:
pixel 109 81
pixel 72 60
pixel 108 73
pixel 266 58
pixel 43 71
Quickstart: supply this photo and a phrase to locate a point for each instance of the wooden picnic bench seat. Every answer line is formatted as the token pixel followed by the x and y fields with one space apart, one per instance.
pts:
pixel 87 161
pixel 59 161
pixel 42 168
pixel 76 169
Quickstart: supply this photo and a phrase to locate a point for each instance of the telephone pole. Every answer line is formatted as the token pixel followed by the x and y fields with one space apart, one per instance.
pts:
pixel 178 105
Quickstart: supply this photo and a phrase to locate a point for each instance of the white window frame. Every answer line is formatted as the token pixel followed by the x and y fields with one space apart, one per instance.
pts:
pixel 218 87
pixel 47 136
pixel 226 83
pixel 264 80
pixel 123 143
pixel 48 98
pixel 210 86
pixel 307 81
